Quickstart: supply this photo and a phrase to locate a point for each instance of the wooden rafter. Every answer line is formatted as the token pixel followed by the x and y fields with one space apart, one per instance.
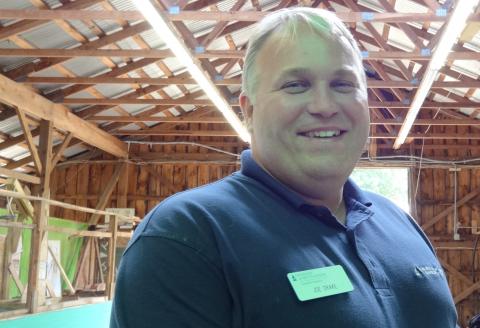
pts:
pixel 235 54
pixel 29 102
pixel 29 139
pixel 107 191
pixel 61 149
pixel 244 16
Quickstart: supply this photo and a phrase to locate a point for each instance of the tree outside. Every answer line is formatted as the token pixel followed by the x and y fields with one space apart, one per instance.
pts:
pixel 389 182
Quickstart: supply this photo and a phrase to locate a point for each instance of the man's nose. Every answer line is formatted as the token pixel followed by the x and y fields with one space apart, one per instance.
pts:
pixel 323 102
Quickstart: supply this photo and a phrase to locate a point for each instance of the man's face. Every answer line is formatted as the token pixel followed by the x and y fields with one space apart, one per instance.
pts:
pixel 310 118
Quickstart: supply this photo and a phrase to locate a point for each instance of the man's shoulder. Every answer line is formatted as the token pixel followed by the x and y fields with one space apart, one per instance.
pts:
pixel 199 207
pixel 225 189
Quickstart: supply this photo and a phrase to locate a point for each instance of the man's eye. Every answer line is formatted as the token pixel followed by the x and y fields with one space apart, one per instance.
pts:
pixel 294 87
pixel 343 86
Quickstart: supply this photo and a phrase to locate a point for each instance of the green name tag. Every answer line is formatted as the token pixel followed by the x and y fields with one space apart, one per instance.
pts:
pixel 321 282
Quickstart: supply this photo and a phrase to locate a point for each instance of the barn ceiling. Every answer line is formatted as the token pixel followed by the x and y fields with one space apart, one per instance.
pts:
pixel 105 79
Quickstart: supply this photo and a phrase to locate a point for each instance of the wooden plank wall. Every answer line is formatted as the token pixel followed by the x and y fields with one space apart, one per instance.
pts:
pixel 436 193
pixel 146 186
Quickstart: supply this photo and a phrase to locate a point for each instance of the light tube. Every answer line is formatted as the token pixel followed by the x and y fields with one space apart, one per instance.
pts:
pixel 454 28
pixel 164 31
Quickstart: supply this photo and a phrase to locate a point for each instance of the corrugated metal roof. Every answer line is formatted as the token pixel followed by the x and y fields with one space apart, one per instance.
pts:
pixel 71 151
pixel 17 4
pixel 10 125
pixel 470 68
pixel 112 90
pixel 49 35
pixel 13 152
pixel 83 29
pixel 86 66
pixel 52 3
pixel 123 5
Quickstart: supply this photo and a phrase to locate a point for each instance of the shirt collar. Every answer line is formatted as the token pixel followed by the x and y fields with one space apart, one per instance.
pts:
pixel 253 170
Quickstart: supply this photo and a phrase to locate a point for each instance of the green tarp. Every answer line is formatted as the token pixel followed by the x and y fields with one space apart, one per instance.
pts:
pixel 91 316
pixel 69 250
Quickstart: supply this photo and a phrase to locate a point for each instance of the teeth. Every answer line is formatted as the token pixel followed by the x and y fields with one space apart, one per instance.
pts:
pixel 322 134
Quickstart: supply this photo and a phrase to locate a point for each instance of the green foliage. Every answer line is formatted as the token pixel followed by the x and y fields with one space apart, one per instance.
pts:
pixel 389 182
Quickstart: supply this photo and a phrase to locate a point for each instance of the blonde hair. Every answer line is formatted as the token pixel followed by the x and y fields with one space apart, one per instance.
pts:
pixel 286 22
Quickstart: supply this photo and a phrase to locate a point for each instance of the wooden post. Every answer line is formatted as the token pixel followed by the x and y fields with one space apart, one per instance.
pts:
pixel 123 188
pixel 11 244
pixel 412 186
pixel 102 202
pixel 112 247
pixel 38 252
pixel 62 271
pixel 13 234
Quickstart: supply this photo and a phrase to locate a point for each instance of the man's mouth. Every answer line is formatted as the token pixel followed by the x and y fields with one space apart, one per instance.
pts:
pixel 322 134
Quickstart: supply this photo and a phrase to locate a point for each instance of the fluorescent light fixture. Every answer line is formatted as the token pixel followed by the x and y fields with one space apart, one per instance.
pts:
pixel 454 28
pixel 164 30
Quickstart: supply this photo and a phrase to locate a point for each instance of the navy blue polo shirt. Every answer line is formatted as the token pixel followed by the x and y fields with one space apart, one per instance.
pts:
pixel 219 255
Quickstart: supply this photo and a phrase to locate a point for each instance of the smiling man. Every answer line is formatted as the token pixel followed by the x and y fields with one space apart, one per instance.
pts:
pixel 289 240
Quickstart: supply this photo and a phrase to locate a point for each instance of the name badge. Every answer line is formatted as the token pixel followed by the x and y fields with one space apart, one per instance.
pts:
pixel 321 282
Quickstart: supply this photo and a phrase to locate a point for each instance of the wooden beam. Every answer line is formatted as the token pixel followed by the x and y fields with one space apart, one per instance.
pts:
pixel 231 133
pixel 102 201
pixel 200 133
pixel 19 195
pixel 20 176
pixel 86 233
pixel 246 16
pixel 112 248
pixel 374 84
pixel 13 141
pixel 27 101
pixel 118 71
pixel 123 80
pixel 17 281
pixel 12 239
pixel 449 210
pixel 455 273
pixel 29 139
pixel 114 101
pixel 123 187
pixel 39 243
pixel 61 149
pixel 62 271
pixel 178 157
pixel 441 122
pixel 430 136
pixel 219 119
pixel 149 53
pixel 204 102
pixel 24 70
pixel 33 22
pixel 175 119
pixel 466 292
pixel 24 206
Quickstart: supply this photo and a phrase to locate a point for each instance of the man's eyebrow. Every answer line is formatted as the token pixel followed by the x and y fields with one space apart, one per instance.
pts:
pixel 345 71
pixel 293 72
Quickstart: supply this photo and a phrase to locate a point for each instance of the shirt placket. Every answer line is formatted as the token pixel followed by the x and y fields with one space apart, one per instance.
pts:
pixel 378 278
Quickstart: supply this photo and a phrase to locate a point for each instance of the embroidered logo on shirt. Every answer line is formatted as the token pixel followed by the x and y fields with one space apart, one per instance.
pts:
pixel 427 271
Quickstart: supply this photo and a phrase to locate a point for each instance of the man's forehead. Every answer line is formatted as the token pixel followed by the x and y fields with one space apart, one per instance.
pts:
pixel 306 53
pixel 302 41
pixel 344 70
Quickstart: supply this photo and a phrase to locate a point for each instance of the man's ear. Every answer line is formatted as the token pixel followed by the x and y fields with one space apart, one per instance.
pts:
pixel 247 110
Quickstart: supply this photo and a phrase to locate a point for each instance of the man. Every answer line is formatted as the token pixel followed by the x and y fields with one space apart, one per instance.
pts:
pixel 288 241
